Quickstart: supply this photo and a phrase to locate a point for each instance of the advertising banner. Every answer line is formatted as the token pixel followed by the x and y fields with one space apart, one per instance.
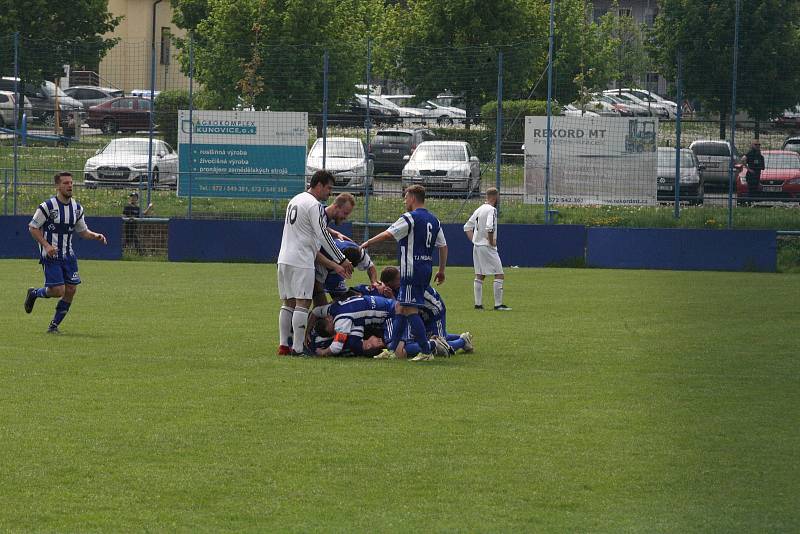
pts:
pixel 242 154
pixel 594 160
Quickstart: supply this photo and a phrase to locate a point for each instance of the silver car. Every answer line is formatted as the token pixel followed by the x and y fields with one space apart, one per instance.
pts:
pixel 691 183
pixel 124 161
pixel 7 99
pixel 346 158
pixel 90 95
pixel 444 167
pixel 716 157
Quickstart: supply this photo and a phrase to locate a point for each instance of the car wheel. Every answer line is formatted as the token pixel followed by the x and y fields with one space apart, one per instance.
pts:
pixel 48 119
pixel 444 120
pixel 109 126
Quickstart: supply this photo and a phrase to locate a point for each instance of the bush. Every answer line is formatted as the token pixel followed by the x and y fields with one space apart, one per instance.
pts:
pixel 167 105
pixel 514 113
pixel 481 140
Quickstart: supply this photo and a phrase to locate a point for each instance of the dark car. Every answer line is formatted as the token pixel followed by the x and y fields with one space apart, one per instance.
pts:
pixel 391 146
pixel 126 114
pixel 354 113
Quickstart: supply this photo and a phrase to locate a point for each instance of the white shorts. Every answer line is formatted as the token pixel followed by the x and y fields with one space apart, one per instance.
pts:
pixel 486 260
pixel 295 282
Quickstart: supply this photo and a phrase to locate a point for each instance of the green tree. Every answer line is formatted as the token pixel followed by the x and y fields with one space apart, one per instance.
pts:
pixel 631 59
pixel 767 73
pixel 270 52
pixel 53 34
pixel 453 45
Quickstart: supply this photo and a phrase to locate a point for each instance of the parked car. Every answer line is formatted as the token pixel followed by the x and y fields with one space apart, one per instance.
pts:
pixel 791 143
pixel 354 113
pixel 391 146
pixel 444 167
pixel 639 107
pixel 716 157
pixel 90 95
pixel 43 100
pixel 346 158
pixel 610 103
pixel 125 160
pixel 8 108
pixel 570 110
pixel 790 118
pixel 780 179
pixel 649 96
pixel 607 108
pixel 144 93
pixel 691 182
pixel 124 114
pixel 407 115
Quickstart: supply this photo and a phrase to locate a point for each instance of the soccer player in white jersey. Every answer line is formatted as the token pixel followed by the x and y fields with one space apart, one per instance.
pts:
pixel 481 229
pixel 305 231
pixel 52 226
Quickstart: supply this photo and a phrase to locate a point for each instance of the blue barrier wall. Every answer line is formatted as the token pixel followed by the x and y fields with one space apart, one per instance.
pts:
pixel 679 249
pixel 16 242
pixel 525 245
pixel 247 241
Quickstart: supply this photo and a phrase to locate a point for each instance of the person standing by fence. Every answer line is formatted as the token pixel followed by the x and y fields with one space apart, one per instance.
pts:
pixel 130 225
pixel 754 164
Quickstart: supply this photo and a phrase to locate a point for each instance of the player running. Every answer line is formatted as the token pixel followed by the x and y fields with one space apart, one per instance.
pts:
pixel 52 226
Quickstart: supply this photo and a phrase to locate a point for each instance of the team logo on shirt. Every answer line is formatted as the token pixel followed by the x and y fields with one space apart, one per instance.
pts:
pixel 54 214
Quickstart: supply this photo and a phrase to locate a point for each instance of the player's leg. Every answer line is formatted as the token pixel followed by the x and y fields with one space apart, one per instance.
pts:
pixel 69 268
pixel 493 265
pixel 479 276
pixel 299 323
pixel 286 312
pixel 53 284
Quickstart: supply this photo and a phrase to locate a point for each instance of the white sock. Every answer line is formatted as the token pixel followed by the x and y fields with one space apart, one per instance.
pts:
pixel 498 291
pixel 299 321
pixel 478 292
pixel 285 324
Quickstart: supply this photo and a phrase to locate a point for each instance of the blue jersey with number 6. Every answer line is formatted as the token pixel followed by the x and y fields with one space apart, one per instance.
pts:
pixel 417 233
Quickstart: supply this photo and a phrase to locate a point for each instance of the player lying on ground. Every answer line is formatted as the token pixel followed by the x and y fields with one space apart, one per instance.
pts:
pixel 347 322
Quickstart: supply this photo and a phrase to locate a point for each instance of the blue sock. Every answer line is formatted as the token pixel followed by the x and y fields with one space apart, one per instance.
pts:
pixel 452 337
pixel 41 293
pixel 418 331
pixel 412 348
pixel 61 311
pixel 398 327
pixel 456 344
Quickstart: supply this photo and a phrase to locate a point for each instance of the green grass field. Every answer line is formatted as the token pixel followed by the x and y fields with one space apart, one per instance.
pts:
pixel 607 401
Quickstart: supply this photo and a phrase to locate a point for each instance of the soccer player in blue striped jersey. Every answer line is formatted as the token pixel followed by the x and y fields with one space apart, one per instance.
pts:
pixel 417 232
pixel 348 320
pixel 329 281
pixel 52 227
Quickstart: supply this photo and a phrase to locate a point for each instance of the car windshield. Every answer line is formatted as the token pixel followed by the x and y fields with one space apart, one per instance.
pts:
pixel 385 138
pixel 128 146
pixel 52 89
pixel 781 161
pixel 440 153
pixel 711 149
pixel 338 149
pixel 666 158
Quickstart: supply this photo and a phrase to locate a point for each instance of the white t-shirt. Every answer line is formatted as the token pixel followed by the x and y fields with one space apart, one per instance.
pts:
pixel 483 221
pixel 305 231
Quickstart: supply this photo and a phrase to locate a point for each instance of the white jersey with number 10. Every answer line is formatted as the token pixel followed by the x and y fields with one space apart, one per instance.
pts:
pixel 305 231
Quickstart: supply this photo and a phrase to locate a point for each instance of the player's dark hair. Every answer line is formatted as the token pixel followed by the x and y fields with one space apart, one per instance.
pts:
pixel 418 192
pixel 353 254
pixel 389 274
pixel 321 177
pixel 59 175
pixel 321 328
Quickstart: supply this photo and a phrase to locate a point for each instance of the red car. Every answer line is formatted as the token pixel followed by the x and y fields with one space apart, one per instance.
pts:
pixel 123 114
pixel 780 180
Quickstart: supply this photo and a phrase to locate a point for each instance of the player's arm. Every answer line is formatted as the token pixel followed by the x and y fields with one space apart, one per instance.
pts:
pixel 491 222
pixel 326 239
pixel 88 234
pixel 148 209
pixel 38 236
pixel 383 236
pixel 372 273
pixel 339 235
pixel 441 244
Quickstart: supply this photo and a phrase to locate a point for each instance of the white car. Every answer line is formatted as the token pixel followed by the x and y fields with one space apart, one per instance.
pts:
pixel 571 110
pixel 346 158
pixel 653 107
pixel 7 100
pixel 443 166
pixel 646 95
pixel 408 115
pixel 123 162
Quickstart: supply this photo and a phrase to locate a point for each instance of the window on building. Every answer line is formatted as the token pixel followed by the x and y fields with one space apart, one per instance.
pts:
pixel 166 42
pixel 624 12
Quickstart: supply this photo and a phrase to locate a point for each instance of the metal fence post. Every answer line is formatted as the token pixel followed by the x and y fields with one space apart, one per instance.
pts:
pixel 16 117
pixel 191 121
pixel 498 143
pixel 733 112
pixel 547 218
pixel 366 156
pixel 152 103
pixel 5 191
pixel 679 115
pixel 324 107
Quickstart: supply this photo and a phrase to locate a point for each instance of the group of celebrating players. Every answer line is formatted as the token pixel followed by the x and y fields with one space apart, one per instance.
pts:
pixel 396 315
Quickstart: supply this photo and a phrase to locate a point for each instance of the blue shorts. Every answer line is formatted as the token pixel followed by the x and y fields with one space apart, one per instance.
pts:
pixel 61 271
pixel 436 326
pixel 411 295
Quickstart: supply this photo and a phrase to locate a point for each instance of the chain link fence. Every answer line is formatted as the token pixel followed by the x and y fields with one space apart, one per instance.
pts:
pixel 364 120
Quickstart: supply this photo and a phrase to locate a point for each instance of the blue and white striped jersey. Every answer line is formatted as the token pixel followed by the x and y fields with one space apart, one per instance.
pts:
pixel 417 233
pixel 58 221
pixel 333 282
pixel 351 316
